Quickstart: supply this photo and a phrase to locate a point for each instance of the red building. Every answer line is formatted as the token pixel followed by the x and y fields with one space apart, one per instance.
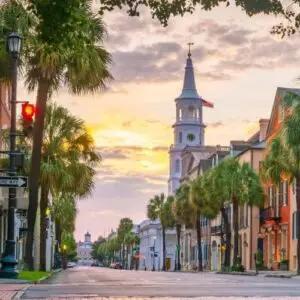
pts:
pixel 275 225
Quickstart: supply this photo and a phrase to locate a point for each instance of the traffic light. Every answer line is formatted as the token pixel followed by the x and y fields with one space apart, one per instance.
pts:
pixel 28 112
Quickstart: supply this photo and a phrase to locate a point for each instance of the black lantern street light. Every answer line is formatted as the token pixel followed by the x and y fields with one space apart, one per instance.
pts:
pixel 9 262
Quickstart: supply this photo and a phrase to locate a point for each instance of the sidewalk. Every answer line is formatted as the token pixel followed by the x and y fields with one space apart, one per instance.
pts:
pixel 278 274
pixel 9 291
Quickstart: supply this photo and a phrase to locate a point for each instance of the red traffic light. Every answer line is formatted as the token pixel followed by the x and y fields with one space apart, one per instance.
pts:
pixel 28 111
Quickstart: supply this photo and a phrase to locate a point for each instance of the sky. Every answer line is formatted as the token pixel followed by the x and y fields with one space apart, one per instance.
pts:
pixel 238 66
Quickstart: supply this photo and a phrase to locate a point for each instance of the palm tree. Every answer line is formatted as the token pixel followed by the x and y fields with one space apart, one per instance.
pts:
pixel 125 226
pixel 161 208
pixel 284 156
pixel 201 207
pixel 67 53
pixel 243 185
pixel 68 159
pixel 213 183
pixel 183 213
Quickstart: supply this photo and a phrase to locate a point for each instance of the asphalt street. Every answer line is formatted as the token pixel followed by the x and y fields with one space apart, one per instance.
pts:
pixel 89 282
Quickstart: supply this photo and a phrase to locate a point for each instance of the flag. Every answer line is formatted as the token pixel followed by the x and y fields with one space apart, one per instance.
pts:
pixel 207 103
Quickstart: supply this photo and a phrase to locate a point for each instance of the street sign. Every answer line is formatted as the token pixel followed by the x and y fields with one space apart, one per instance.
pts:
pixel 16 181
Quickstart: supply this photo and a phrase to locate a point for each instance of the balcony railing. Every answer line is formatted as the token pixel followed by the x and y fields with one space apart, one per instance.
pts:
pixel 216 230
pixel 270 213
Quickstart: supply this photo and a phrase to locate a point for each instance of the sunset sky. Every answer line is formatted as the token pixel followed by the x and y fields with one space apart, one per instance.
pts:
pixel 238 67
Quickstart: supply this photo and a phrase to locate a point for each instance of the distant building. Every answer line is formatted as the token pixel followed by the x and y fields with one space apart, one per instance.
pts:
pixel 151 252
pixel 84 249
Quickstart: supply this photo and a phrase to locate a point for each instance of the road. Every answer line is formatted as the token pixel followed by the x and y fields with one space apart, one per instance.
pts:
pixel 84 282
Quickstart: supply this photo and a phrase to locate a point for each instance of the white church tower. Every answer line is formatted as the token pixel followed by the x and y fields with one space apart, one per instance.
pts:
pixel 189 127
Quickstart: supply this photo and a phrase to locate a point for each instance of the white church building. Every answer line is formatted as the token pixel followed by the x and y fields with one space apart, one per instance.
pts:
pixel 188 132
pixel 189 127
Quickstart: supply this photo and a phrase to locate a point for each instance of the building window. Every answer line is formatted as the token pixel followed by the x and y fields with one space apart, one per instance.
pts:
pixel 180 137
pixel 180 114
pixel 177 166
pixel 294 231
pixel 191 113
pixel 203 222
pixel 294 186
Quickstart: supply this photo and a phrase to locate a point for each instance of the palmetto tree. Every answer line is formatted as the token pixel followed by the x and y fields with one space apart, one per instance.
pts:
pixel 160 208
pixel 238 183
pixel 183 213
pixel 65 53
pixel 68 158
pixel 200 205
pixel 124 228
pixel 283 158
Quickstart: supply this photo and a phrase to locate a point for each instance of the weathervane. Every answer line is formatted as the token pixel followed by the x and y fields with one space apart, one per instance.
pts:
pixel 190 44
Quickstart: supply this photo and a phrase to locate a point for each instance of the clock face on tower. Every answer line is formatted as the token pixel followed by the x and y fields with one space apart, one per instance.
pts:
pixel 191 137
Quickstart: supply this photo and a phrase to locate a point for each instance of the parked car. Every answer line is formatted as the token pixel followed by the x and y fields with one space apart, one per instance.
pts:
pixel 118 266
pixel 71 264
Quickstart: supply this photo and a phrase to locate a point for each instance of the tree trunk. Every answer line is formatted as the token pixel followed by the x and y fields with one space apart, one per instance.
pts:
pixel 42 96
pixel 164 249
pixel 198 228
pixel 298 222
pixel 235 213
pixel 178 232
pixel 228 237
pixel 43 226
pixel 126 263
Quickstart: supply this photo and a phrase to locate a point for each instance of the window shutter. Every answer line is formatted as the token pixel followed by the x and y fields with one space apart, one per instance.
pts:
pixel 270 195
pixel 294 227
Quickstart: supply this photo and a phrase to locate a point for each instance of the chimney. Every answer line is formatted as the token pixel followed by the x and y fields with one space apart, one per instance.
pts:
pixel 263 126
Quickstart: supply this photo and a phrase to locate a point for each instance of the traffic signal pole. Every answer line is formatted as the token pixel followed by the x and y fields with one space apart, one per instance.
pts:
pixel 9 262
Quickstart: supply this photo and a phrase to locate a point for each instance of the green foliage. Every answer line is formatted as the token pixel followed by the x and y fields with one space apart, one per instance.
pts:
pixel 124 228
pixel 183 211
pixel 283 151
pixel 259 260
pixel 238 267
pixel 69 241
pixel 32 275
pixel 163 10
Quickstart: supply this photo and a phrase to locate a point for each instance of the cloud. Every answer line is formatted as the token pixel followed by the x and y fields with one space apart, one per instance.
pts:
pixel 106 213
pixel 215 124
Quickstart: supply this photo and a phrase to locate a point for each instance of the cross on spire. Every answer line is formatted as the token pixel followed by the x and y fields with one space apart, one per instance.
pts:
pixel 189 53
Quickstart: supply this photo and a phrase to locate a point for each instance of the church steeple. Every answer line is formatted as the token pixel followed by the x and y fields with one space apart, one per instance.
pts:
pixel 189 86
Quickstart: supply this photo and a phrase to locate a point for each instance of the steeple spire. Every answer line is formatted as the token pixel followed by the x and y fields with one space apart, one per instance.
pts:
pixel 190 44
pixel 189 85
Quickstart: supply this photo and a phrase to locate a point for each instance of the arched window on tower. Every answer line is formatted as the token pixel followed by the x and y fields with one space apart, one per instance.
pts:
pixel 192 113
pixel 177 166
pixel 198 114
pixel 180 114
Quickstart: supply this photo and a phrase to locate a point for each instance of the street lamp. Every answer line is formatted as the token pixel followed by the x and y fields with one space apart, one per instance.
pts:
pixel 64 254
pixel 9 262
pixel 154 239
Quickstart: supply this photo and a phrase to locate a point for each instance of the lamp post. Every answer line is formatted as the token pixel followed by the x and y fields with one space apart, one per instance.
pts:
pixel 9 262
pixel 154 239
pixel 64 248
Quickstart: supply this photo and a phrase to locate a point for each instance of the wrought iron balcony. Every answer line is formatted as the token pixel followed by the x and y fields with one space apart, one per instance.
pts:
pixel 269 214
pixel 217 230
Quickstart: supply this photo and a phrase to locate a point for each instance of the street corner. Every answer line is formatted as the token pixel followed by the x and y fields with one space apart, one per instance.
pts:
pixel 11 291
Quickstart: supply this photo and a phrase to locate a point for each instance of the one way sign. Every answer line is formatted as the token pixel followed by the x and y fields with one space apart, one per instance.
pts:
pixel 20 181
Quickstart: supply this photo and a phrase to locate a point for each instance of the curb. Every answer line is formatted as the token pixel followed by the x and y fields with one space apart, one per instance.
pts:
pixel 280 276
pixel 237 273
pixel 20 293
pixel 48 276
